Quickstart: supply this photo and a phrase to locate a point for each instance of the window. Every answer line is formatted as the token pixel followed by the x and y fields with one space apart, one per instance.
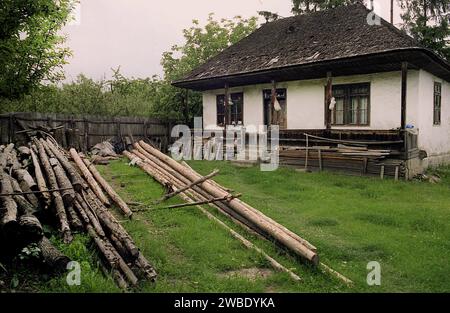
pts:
pixel 352 105
pixel 236 106
pixel 437 103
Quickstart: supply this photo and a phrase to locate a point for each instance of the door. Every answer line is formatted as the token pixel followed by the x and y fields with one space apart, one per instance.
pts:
pixel 278 117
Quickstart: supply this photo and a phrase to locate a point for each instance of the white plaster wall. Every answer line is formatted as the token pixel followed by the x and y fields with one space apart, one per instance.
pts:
pixel 305 101
pixel 435 139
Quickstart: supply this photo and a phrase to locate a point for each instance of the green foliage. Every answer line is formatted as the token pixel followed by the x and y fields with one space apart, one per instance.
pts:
pixel 153 96
pixel 201 43
pixel 428 22
pixel 31 251
pixel 306 6
pixel 30 44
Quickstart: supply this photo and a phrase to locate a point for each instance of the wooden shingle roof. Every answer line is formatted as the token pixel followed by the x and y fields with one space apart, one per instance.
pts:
pixel 324 36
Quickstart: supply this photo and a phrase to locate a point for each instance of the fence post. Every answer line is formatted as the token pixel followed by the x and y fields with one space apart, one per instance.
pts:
pixel 11 128
pixel 86 134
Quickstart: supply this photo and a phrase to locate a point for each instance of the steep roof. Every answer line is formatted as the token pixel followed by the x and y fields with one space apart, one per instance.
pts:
pixel 328 35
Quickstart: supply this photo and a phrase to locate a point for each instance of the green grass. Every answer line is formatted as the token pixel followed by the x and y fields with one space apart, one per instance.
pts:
pixel 351 220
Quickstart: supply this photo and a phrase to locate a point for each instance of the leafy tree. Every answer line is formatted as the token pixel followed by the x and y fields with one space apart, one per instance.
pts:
pixel 428 22
pixel 307 6
pixel 201 43
pixel 30 45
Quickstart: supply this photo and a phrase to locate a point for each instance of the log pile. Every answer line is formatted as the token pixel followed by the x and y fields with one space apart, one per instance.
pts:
pixel 350 159
pixel 177 176
pixel 43 184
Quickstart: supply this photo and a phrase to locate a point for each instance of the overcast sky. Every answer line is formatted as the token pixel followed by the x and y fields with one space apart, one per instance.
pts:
pixel 133 34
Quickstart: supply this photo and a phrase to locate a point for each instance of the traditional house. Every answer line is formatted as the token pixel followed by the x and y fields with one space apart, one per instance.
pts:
pixel 338 74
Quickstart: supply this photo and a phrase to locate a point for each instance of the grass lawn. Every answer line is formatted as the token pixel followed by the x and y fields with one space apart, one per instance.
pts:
pixel 351 220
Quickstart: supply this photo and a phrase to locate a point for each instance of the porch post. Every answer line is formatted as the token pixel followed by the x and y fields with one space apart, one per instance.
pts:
pixel 272 102
pixel 328 96
pixel 227 106
pixel 404 93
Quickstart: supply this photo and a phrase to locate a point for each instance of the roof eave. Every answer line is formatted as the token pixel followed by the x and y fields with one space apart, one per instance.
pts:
pixel 368 63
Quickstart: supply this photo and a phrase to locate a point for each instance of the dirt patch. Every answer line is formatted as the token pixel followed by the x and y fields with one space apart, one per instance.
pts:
pixel 250 273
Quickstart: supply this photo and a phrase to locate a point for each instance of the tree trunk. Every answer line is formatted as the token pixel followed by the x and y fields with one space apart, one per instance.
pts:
pixel 109 190
pixel 57 199
pixel 42 185
pixel 52 256
pixel 74 176
pixel 88 176
pixel 68 194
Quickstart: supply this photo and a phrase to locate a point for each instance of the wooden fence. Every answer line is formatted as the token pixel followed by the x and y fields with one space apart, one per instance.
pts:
pixel 86 129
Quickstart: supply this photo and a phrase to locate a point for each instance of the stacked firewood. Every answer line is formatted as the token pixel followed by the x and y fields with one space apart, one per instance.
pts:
pixel 42 183
pixel 196 189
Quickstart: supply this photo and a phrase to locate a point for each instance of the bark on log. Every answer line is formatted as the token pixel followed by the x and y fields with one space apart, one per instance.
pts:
pixel 24 206
pixel 88 176
pixel 279 234
pixel 73 174
pixel 30 228
pixel 112 256
pixel 52 256
pixel 27 184
pixel 8 209
pixel 110 223
pixel 57 199
pixel 109 190
pixel 68 194
pixel 74 220
pixel 42 185
pixel 84 209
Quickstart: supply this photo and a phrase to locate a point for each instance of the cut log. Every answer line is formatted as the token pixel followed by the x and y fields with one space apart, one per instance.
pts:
pixel 8 208
pixel 74 220
pixel 68 194
pixel 109 222
pixel 24 206
pixel 30 228
pixel 40 180
pixel 57 198
pixel 83 208
pixel 52 256
pixel 109 190
pixel 173 194
pixel 264 223
pixel 27 184
pixel 73 174
pixel 89 178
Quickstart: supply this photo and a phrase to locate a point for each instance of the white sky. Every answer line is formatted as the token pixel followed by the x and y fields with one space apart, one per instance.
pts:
pixel 133 34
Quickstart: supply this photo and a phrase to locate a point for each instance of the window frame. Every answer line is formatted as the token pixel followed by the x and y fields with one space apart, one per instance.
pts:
pixel 220 100
pixel 348 96
pixel 437 99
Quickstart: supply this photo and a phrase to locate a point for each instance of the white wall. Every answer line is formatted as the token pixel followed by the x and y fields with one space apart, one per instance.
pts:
pixel 305 107
pixel 435 139
pixel 305 101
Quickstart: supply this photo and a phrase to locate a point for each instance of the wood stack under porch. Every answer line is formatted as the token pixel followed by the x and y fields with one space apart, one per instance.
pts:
pixel 383 153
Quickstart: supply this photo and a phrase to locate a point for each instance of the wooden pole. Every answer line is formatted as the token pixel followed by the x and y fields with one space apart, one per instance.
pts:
pixel 89 178
pixel 273 98
pixel 328 96
pixel 173 194
pixel 227 106
pixel 109 190
pixel 183 205
pixel 404 94
pixel 392 12
pixel 263 223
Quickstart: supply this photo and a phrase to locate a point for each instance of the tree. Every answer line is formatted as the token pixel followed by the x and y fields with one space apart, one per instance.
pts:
pixel 428 22
pixel 201 43
pixel 30 46
pixel 307 6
